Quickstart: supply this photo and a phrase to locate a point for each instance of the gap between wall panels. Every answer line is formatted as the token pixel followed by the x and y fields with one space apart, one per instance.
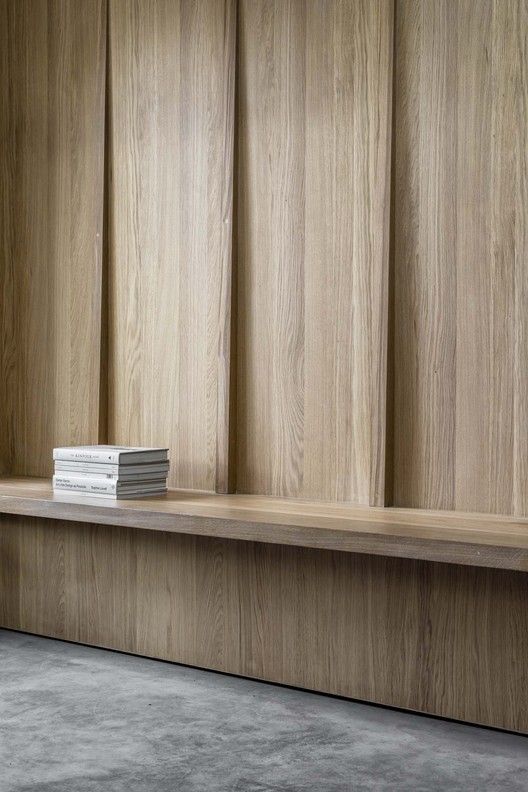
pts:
pixel 107 225
pixel 391 313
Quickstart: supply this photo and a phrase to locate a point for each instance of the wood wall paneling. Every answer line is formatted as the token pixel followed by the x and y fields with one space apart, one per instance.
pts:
pixel 52 72
pixel 461 247
pixel 313 126
pixel 170 210
pixel 438 638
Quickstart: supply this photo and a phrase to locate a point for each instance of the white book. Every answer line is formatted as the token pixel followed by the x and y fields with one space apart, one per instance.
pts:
pixel 119 478
pixel 110 496
pixel 109 469
pixel 123 477
pixel 117 455
pixel 103 486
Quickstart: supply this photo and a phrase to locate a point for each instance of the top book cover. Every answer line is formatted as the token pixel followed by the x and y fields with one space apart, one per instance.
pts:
pixel 120 455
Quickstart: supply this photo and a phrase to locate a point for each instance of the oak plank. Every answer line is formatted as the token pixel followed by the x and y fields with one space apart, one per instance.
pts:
pixel 170 227
pixel 52 77
pixel 313 123
pixel 461 245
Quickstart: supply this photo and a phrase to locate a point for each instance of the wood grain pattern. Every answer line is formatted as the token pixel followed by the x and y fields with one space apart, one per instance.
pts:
pixel 437 638
pixel 313 130
pixel 461 247
pixel 451 537
pixel 170 229
pixel 52 67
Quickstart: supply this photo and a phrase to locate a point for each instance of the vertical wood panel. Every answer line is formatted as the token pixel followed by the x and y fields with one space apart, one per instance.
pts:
pixel 52 71
pixel 93 611
pixel 170 210
pixel 43 571
pixel 461 251
pixel 10 575
pixel 313 131
pixel 438 638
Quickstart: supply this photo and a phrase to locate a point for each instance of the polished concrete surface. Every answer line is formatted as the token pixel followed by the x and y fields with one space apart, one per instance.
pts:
pixel 73 718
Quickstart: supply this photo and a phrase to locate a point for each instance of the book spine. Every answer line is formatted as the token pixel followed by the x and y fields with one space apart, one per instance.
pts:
pixel 77 467
pixel 73 455
pixel 79 476
pixel 82 493
pixel 76 484
pixel 120 478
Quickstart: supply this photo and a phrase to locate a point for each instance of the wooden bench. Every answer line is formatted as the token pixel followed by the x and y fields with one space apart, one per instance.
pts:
pixel 417 609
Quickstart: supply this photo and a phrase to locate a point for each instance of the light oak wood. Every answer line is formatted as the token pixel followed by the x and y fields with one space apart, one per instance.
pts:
pixel 170 210
pixel 461 538
pixel 52 68
pixel 438 638
pixel 461 247
pixel 314 86
pixel 341 598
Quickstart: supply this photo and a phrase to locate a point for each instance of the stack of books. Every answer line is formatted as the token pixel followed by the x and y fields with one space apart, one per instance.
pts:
pixel 111 471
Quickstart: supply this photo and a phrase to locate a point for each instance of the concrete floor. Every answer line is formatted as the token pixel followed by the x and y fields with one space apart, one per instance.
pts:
pixel 74 718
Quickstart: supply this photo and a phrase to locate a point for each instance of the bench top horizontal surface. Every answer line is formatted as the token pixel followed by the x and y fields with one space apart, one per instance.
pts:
pixel 452 537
